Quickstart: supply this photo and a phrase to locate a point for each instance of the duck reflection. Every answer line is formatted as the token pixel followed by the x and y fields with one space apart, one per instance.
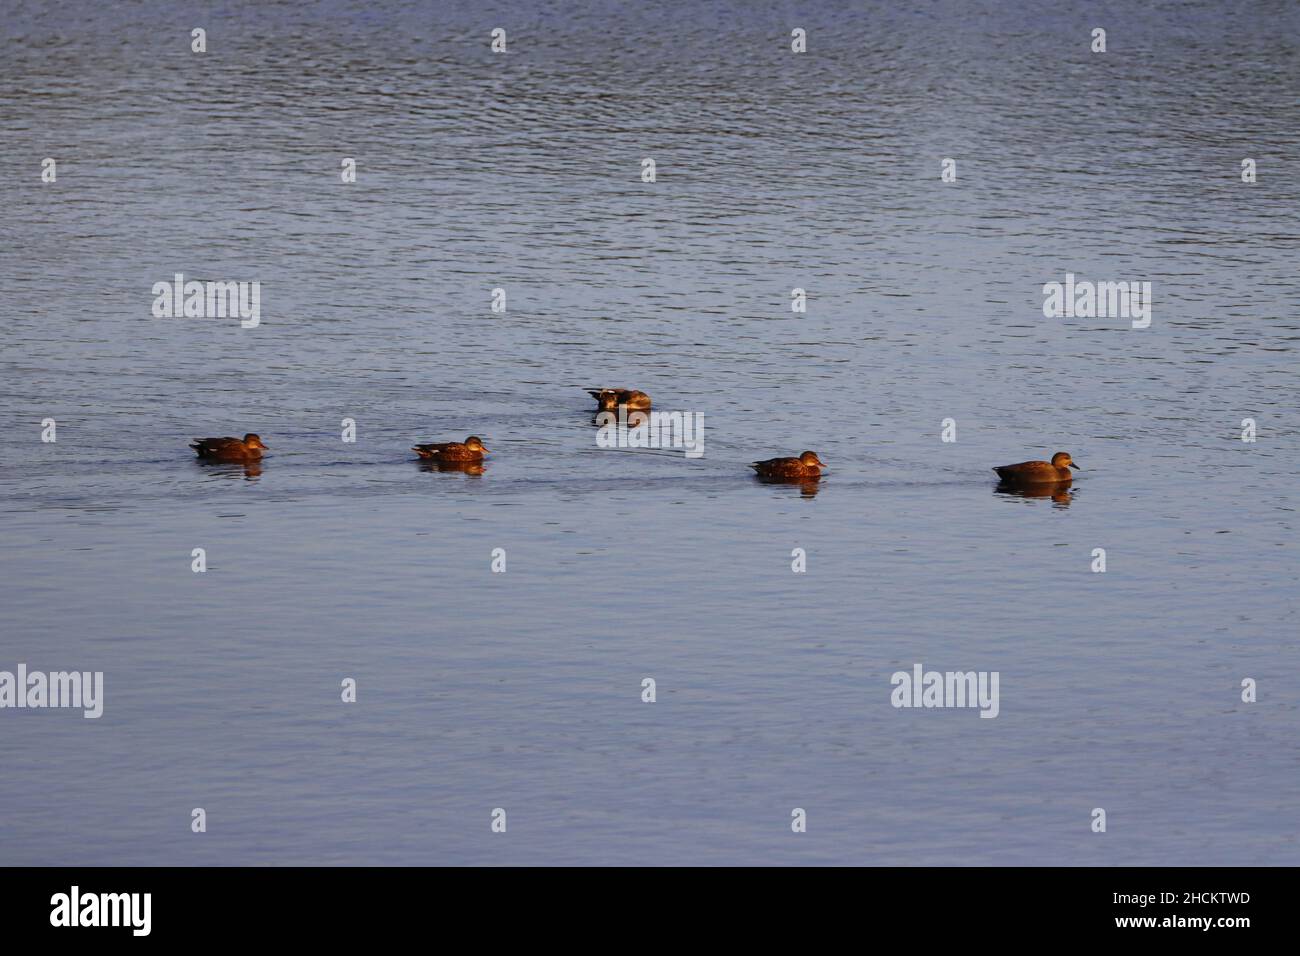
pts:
pixel 472 468
pixel 808 487
pixel 1058 491
pixel 248 470
pixel 624 418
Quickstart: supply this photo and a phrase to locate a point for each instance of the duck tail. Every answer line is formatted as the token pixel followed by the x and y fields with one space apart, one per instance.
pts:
pixel 754 465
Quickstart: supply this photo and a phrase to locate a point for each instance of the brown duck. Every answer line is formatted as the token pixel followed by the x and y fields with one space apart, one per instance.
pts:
pixel 806 466
pixel 248 448
pixel 1039 472
pixel 471 449
pixel 609 399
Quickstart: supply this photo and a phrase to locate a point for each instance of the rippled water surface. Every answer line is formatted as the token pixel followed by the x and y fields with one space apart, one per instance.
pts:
pixel 522 690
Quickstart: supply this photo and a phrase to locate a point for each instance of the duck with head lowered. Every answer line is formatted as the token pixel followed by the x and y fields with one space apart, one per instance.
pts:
pixel 609 399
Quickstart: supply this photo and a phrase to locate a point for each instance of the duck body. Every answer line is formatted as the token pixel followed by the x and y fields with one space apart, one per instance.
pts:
pixel 807 466
pixel 609 399
pixel 471 449
pixel 248 448
pixel 1039 472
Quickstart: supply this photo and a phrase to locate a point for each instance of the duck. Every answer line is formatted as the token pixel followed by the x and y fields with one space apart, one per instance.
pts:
pixel 609 399
pixel 248 448
pixel 1039 472
pixel 806 467
pixel 471 449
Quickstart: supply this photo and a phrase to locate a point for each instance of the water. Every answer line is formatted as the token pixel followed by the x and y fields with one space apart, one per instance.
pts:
pixel 522 690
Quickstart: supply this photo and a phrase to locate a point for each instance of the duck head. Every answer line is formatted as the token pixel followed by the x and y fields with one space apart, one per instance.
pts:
pixel 1062 459
pixel 474 443
pixel 252 441
pixel 810 459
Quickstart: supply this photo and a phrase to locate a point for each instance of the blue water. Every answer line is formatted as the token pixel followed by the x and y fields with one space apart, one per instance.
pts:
pixel 522 690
